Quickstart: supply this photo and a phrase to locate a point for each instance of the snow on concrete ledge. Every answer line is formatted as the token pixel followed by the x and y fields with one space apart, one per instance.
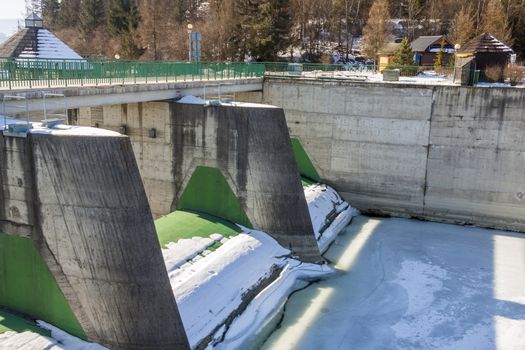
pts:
pixel 69 130
pixel 194 100
pixel 60 129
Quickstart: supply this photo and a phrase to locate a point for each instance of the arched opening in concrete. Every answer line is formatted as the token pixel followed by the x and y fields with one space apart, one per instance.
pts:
pixel 29 288
pixel 309 174
pixel 207 205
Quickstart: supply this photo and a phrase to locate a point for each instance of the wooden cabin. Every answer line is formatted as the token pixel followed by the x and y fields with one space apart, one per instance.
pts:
pixel 426 49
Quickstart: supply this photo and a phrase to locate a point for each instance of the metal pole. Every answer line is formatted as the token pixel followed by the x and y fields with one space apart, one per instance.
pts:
pixel 45 109
pixel 189 45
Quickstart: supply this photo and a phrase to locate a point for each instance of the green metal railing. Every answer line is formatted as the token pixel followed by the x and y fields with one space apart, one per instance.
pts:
pixel 46 73
pixel 42 73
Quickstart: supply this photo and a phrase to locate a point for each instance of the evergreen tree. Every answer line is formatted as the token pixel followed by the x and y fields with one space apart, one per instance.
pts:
pixel 68 13
pixel 463 27
pixel 494 21
pixel 270 30
pixel 91 16
pixel 50 10
pixel 516 15
pixel 404 55
pixel 377 31
pixel 123 21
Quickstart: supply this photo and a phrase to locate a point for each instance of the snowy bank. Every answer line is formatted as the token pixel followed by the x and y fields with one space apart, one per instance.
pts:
pixel 33 341
pixel 218 293
pixel 329 213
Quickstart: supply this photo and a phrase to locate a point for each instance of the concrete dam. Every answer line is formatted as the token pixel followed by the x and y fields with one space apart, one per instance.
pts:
pixel 190 219
pixel 94 249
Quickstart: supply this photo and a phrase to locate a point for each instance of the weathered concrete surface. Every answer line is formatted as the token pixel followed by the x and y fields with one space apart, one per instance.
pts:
pixel 81 200
pixel 453 154
pixel 251 146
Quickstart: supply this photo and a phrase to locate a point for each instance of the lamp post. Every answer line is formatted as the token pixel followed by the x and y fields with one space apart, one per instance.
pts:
pixel 190 27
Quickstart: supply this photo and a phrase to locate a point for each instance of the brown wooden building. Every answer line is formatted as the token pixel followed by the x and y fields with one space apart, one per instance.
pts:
pixel 426 49
pixel 487 50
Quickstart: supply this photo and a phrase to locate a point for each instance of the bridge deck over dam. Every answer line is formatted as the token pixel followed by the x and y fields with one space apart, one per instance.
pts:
pixel 89 96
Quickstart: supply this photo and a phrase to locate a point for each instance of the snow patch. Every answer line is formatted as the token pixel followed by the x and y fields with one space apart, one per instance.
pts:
pixel 31 341
pixel 211 289
pixel 267 303
pixel 72 130
pixel 179 253
pixel 68 341
pixel 329 213
pixel 60 129
pixel 420 281
pixel 192 100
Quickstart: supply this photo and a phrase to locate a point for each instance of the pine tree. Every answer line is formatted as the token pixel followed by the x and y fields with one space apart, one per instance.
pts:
pixel 463 28
pixel 404 55
pixel 68 13
pixel 123 21
pixel 270 30
pixel 516 13
pixel 91 16
pixel 50 10
pixel 378 29
pixel 494 21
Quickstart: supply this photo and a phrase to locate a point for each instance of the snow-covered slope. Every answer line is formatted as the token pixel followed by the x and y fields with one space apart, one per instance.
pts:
pixel 329 213
pixel 214 288
pixel 33 341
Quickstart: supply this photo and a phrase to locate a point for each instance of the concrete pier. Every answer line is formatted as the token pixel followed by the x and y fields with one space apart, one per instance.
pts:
pixel 250 145
pixel 81 201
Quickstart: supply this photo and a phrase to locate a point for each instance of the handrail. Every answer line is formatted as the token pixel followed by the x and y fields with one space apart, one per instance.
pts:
pixel 47 73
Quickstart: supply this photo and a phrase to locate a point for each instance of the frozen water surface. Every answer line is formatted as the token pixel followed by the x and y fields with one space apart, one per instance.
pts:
pixel 406 284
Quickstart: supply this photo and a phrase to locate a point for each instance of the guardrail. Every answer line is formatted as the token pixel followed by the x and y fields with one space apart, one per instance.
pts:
pixel 46 73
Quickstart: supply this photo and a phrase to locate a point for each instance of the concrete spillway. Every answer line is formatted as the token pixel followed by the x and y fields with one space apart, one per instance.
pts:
pixel 79 199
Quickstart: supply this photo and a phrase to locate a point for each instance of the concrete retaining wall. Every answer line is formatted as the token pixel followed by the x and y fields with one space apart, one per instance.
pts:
pixel 81 201
pixel 452 154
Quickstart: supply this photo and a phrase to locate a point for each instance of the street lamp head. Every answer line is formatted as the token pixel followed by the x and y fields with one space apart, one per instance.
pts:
pixel 457 47
pixel 190 26
pixel 117 56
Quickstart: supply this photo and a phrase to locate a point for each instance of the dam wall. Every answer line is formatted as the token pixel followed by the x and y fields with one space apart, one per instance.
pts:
pixel 444 153
pixel 249 145
pixel 79 247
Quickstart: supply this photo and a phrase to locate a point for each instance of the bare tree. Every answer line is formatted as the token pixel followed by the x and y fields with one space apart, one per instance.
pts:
pixel 378 29
pixel 463 26
pixel 494 21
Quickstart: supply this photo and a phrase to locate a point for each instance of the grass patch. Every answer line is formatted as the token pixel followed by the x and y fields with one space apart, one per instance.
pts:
pixel 188 224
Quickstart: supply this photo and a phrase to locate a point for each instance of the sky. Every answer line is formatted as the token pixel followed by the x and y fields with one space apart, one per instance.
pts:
pixel 12 9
